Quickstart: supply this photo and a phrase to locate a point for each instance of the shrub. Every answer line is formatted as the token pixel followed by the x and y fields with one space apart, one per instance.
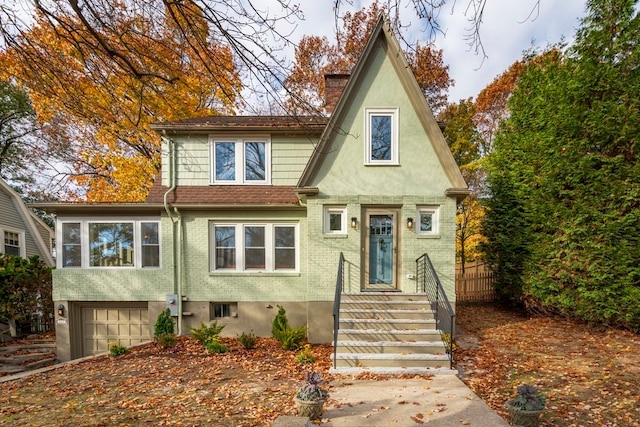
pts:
pixel 280 323
pixel 166 340
pixel 204 333
pixel 214 345
pixel 164 324
pixel 247 341
pixel 292 337
pixel 306 355
pixel 289 337
pixel 118 350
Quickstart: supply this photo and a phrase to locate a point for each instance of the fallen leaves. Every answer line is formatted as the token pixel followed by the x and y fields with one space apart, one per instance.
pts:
pixel 590 374
pixel 185 386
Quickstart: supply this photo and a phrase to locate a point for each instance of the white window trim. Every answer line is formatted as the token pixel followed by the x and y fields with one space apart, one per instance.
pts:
pixel 84 242
pixel 435 219
pixel 328 210
pixel 393 113
pixel 269 244
pixel 22 240
pixel 240 159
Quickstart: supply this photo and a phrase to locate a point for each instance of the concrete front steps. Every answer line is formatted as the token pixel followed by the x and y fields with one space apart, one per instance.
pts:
pixel 388 332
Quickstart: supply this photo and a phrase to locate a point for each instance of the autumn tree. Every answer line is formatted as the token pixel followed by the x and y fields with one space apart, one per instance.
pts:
pixel 563 224
pixel 316 57
pixel 97 90
pixel 465 141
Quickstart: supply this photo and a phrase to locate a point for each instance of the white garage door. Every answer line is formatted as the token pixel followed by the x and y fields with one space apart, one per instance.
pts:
pixel 104 327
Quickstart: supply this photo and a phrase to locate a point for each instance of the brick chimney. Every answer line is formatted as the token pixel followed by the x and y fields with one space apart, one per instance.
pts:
pixel 334 84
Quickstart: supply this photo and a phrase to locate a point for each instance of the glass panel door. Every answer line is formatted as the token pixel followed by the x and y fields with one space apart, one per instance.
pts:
pixel 380 251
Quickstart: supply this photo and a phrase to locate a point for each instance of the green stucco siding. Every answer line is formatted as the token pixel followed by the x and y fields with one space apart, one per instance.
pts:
pixel 325 249
pixel 344 171
pixel 201 284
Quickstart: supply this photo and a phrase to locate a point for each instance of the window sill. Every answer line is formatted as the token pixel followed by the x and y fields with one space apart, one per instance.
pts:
pixel 335 236
pixel 255 273
pixel 428 236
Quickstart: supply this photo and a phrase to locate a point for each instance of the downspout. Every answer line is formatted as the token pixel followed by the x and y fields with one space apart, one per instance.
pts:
pixel 177 242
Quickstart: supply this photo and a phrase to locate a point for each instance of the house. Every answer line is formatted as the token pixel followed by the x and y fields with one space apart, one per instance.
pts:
pixel 251 213
pixel 23 233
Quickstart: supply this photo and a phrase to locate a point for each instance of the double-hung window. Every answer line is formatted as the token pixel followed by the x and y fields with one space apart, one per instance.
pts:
pixel 110 243
pixel 254 247
pixel 240 161
pixel 13 243
pixel 381 136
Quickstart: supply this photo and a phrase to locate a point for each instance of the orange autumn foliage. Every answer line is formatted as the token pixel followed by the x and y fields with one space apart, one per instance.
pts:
pixel 316 56
pixel 100 87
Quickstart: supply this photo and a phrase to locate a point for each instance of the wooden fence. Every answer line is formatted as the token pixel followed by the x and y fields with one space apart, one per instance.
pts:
pixel 476 284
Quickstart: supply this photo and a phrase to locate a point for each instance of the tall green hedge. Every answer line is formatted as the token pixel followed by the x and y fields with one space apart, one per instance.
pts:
pixel 563 224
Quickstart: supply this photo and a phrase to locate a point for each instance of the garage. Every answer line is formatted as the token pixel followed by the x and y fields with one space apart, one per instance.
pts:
pixel 103 327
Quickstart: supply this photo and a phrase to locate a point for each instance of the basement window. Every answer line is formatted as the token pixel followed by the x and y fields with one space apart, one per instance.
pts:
pixel 223 310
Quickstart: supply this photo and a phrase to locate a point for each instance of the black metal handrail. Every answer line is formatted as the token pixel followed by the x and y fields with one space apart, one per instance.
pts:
pixel 336 306
pixel 428 282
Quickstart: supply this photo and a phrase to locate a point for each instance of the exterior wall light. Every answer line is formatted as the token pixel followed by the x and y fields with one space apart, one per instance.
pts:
pixel 409 223
pixel 354 222
pixel 61 310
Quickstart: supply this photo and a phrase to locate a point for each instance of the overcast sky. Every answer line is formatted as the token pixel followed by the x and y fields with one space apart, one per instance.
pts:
pixel 507 31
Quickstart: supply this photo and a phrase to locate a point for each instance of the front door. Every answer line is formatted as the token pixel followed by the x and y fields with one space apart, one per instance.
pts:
pixel 380 249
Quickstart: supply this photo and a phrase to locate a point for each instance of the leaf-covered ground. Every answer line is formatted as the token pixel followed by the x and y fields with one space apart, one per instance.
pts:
pixel 591 375
pixel 183 386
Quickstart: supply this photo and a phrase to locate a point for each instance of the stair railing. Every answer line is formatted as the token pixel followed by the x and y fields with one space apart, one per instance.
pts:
pixel 336 306
pixel 427 282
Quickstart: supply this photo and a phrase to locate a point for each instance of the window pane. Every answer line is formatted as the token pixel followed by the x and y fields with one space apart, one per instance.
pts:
pixel 254 254
pixel 150 244
pixel 11 243
pixel 149 233
pixel 255 161
pixel 426 222
pixel 285 252
pixel 225 161
pixel 335 222
pixel 71 250
pixel 111 244
pixel 225 247
pixel 151 256
pixel 380 137
pixel 285 237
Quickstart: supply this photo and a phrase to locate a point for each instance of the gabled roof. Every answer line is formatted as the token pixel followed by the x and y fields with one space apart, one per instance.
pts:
pixel 383 31
pixel 29 220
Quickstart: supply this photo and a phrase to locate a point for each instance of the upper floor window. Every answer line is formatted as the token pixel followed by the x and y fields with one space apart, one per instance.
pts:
pixel 13 243
pixel 254 247
pixel 240 161
pixel 381 136
pixel 133 243
pixel 428 220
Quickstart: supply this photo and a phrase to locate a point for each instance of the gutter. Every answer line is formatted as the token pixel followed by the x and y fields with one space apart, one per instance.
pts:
pixel 177 242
